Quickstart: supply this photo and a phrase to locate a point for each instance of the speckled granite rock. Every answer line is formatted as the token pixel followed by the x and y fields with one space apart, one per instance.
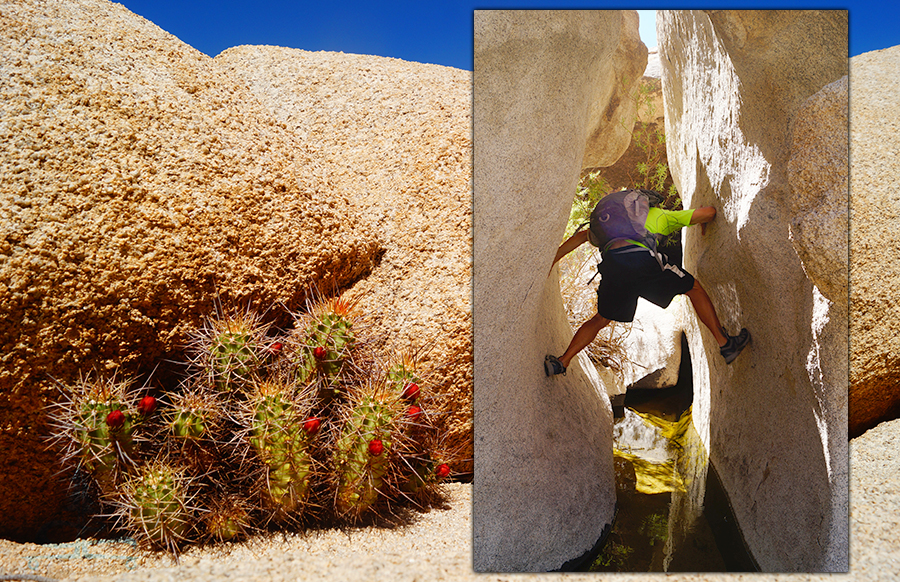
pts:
pixel 395 138
pixel 138 182
pixel 874 212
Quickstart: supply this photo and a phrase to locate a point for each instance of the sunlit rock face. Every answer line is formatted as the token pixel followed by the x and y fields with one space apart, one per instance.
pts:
pixel 544 486
pixel 774 421
pixel 138 185
pixel 395 139
pixel 875 208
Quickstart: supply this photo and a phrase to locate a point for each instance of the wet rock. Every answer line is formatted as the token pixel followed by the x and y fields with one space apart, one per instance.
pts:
pixel 774 421
pixel 544 489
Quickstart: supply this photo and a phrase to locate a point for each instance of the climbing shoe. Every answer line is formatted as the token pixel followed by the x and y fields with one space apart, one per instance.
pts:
pixel 734 345
pixel 552 366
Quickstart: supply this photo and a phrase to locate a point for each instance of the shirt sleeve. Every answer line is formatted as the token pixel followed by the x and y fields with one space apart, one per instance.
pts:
pixel 665 222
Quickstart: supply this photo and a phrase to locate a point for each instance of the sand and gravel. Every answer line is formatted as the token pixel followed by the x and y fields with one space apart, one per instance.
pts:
pixel 437 545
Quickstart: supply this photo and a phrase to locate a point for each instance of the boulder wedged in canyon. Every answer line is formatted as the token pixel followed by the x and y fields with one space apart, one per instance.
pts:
pixel 544 488
pixel 774 421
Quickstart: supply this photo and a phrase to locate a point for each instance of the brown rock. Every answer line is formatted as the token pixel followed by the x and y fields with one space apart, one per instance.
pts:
pixel 395 138
pixel 139 183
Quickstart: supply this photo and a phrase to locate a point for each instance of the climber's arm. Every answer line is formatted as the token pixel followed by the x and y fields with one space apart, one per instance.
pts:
pixel 702 216
pixel 572 243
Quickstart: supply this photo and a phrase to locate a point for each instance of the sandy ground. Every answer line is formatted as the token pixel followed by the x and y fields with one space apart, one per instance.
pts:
pixel 438 545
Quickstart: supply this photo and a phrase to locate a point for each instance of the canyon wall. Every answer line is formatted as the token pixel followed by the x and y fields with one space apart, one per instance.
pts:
pixel 545 82
pixel 735 84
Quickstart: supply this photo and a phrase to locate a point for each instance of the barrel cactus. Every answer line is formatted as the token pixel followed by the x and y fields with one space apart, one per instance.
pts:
pixel 323 340
pixel 155 507
pixel 95 424
pixel 230 350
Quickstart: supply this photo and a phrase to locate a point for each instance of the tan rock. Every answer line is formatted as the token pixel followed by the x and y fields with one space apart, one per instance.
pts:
pixel 609 137
pixel 139 184
pixel 875 208
pixel 395 138
pixel 774 421
pixel 819 178
pixel 544 487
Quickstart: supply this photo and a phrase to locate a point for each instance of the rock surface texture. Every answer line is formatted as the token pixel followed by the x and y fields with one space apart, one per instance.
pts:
pixel 544 489
pixel 395 137
pixel 874 212
pixel 140 181
pixel 774 421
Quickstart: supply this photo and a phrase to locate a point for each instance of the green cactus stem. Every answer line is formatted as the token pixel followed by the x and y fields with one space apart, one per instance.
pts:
pixel 326 339
pixel 154 506
pixel 362 454
pixel 231 350
pixel 95 424
pixel 282 437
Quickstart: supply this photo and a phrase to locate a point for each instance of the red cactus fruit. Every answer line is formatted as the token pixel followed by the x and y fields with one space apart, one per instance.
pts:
pixel 312 425
pixel 319 353
pixel 376 447
pixel 276 347
pixel 115 419
pixel 414 412
pixel 411 391
pixel 147 405
pixel 442 471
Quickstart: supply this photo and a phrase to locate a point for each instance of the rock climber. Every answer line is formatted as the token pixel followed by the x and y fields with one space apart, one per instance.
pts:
pixel 631 267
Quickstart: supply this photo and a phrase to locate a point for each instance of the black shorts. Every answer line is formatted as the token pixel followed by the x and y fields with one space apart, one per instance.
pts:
pixel 631 272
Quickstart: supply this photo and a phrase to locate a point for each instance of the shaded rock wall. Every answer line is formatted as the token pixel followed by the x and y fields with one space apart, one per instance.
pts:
pixel 544 487
pixel 874 211
pixel 395 138
pixel 774 420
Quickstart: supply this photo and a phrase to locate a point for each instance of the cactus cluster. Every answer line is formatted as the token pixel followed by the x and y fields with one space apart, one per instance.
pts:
pixel 267 429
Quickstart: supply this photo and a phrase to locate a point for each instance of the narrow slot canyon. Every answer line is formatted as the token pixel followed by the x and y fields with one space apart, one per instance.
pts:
pixel 549 97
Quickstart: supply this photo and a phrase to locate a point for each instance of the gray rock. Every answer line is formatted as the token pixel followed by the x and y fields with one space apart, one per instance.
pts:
pixel 544 487
pixel 774 420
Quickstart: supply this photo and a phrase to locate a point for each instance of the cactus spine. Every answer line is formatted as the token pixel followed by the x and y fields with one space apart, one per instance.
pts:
pixel 362 454
pixel 282 439
pixel 326 337
pixel 96 425
pixel 155 506
pixel 231 350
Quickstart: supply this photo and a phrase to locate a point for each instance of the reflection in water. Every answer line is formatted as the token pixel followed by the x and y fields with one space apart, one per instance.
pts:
pixel 662 472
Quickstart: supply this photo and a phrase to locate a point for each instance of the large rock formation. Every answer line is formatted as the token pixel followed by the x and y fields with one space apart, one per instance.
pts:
pixel 140 183
pixel 544 486
pixel 875 208
pixel 774 421
pixel 396 138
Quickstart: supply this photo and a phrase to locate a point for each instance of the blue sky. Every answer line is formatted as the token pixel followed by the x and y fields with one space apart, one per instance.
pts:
pixel 426 31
